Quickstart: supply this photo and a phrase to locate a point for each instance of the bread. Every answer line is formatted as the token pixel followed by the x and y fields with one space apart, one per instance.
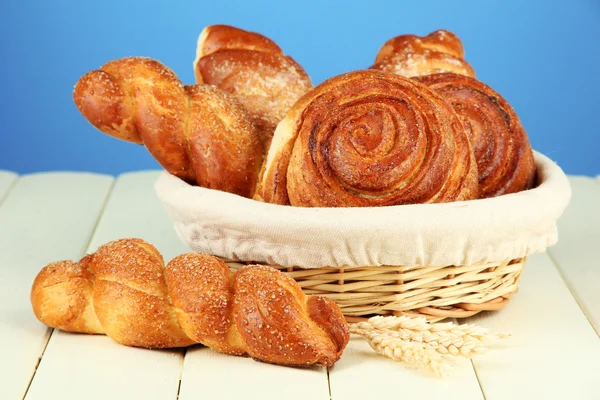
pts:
pixel 502 150
pixel 411 55
pixel 196 132
pixel 369 138
pixel 252 67
pixel 123 290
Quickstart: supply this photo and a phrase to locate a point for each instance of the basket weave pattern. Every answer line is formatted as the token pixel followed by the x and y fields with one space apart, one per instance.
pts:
pixel 433 292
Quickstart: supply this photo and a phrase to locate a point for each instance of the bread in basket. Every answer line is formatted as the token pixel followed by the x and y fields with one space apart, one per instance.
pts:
pixel 388 194
pixel 441 260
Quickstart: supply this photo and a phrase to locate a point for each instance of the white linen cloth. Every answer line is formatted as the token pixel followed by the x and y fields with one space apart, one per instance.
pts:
pixel 460 233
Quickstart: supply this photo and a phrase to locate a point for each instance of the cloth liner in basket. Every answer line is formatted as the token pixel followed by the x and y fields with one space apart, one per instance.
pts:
pixel 438 260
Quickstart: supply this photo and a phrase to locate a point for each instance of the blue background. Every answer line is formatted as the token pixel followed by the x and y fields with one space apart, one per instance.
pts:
pixel 542 56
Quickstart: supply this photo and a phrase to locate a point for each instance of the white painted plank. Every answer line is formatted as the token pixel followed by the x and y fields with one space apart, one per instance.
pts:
pixel 95 367
pixel 79 366
pixel 363 374
pixel 210 375
pixel 135 211
pixel 577 252
pixel 7 179
pixel 45 217
pixel 554 352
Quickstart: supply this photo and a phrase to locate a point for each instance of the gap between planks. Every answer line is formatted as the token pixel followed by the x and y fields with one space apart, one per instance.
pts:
pixel 181 372
pixel 82 252
pixel 30 238
pixel 37 364
pixel 130 211
pixel 576 255
pixel 549 347
pixel 573 293
pixel 456 321
pixel 9 189
pixel 478 380
pixel 329 384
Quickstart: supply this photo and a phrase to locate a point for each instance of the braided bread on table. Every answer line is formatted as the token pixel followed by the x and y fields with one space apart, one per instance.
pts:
pixel 254 68
pixel 198 133
pixel 124 291
pixel 411 55
pixel 369 138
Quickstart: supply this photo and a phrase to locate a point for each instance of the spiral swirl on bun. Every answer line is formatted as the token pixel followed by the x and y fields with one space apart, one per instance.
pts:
pixel 369 138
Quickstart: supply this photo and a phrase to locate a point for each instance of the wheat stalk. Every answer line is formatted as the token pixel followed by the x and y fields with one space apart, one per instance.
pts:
pixel 417 354
pixel 421 324
pixel 417 336
pixel 443 343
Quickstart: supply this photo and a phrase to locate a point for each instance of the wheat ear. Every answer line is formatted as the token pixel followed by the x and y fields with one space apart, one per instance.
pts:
pixel 400 338
pixel 417 354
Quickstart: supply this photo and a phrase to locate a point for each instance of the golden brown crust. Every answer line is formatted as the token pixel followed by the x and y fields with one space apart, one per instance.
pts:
pixel 441 41
pixel 411 55
pixel 130 296
pixel 368 138
pixel 200 288
pixel 124 291
pixel 225 149
pixel 62 294
pixel 105 102
pixel 502 150
pixel 141 100
pixel 328 316
pixel 253 68
pixel 285 334
pixel 267 84
pixel 424 63
pixel 221 37
pixel 159 108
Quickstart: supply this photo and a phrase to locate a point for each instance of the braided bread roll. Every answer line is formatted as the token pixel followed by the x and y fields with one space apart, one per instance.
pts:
pixel 368 138
pixel 124 291
pixel 502 150
pixel 197 132
pixel 252 67
pixel 411 55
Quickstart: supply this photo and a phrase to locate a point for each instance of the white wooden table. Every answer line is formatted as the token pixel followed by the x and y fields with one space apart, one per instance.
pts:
pixel 554 319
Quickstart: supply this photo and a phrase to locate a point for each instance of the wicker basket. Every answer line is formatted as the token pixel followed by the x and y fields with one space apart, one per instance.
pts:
pixel 433 292
pixel 209 222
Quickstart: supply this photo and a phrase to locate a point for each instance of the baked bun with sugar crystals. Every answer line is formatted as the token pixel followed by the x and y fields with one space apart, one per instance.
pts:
pixel 198 133
pixel 411 55
pixel 254 69
pixel 124 290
